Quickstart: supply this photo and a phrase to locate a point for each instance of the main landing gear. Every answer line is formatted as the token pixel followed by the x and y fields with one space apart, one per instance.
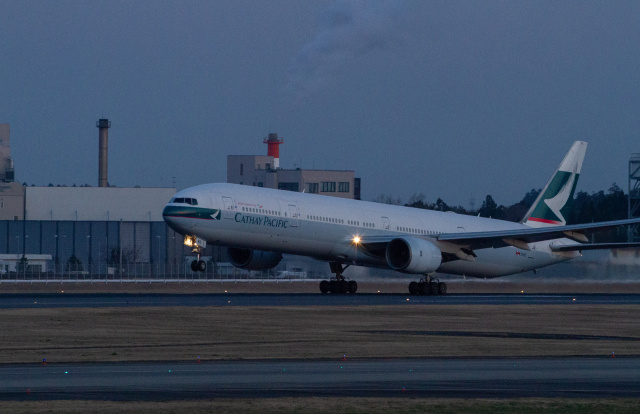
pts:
pixel 338 284
pixel 427 286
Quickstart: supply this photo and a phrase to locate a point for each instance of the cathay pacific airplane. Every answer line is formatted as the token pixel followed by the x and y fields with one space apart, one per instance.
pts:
pixel 258 225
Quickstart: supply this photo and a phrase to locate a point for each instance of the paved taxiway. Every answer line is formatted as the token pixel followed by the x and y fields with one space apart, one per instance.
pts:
pixel 459 378
pixel 77 300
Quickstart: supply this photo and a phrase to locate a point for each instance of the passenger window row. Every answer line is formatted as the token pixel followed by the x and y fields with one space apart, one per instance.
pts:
pixel 261 211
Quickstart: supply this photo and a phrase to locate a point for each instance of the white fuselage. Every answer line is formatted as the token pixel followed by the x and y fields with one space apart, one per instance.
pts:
pixel 324 227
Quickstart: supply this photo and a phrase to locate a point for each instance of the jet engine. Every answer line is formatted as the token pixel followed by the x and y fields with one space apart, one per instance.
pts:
pixel 253 259
pixel 413 255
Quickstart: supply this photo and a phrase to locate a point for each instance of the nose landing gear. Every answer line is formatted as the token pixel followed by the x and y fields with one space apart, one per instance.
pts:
pixel 197 246
pixel 198 265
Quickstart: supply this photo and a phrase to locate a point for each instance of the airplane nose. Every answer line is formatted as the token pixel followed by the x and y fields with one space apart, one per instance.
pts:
pixel 169 218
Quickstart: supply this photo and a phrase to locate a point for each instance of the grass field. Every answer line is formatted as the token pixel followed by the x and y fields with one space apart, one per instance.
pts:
pixel 213 333
pixel 330 406
pixel 223 333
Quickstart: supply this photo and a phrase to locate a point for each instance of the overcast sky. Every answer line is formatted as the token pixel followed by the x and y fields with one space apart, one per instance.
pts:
pixel 454 99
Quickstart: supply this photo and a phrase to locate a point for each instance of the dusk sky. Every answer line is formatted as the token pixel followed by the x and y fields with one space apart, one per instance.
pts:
pixel 453 99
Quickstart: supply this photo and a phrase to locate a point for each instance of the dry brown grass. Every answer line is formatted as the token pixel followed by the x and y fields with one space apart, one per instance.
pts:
pixel 329 405
pixel 184 333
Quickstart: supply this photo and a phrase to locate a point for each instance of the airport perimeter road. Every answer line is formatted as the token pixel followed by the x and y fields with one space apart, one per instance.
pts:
pixel 449 378
pixel 77 300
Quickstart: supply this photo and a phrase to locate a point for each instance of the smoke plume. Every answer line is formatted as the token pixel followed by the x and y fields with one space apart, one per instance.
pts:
pixel 349 30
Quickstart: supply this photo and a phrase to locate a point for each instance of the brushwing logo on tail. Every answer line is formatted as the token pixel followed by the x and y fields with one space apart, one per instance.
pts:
pixel 556 198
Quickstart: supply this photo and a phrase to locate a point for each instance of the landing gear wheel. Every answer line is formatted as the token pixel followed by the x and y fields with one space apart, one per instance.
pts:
pixel 194 266
pixel 202 266
pixel 442 288
pixel 338 284
pixel 433 286
pixel 423 288
pixel 413 288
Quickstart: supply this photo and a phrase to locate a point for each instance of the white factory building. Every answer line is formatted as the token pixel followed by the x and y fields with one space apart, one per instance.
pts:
pixel 85 230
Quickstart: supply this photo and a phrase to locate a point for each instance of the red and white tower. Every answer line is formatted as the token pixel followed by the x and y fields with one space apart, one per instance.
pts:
pixel 273 148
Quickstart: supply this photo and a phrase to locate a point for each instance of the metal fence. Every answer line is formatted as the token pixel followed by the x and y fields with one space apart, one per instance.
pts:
pixel 142 272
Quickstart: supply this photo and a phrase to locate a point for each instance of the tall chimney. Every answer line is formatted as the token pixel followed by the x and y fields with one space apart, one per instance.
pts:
pixel 273 148
pixel 103 162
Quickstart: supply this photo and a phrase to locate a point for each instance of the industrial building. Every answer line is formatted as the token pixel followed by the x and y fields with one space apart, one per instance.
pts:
pixel 85 230
pixel 265 171
pixel 115 232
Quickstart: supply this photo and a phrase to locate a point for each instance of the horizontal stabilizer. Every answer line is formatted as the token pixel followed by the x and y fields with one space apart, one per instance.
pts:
pixel 501 238
pixel 593 246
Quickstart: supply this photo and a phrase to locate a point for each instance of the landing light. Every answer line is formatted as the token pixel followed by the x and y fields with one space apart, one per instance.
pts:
pixel 356 240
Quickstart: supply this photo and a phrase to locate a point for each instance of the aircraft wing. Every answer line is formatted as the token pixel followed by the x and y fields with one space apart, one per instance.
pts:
pixel 520 237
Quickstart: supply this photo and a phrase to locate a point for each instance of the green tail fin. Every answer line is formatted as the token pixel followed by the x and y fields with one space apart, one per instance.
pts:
pixel 554 201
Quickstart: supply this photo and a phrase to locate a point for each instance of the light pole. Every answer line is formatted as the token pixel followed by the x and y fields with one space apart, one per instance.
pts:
pixel 158 258
pixel 17 253
pixel 62 254
pixel 57 257
pixel 90 258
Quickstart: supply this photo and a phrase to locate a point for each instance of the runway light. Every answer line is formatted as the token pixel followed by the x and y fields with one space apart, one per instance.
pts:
pixel 66 372
pixel 522 291
pixel 225 291
pixel 378 291
pixel 407 299
pixel 574 299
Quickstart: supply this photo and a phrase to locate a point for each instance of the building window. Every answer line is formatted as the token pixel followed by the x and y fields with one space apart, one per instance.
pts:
pixel 343 187
pixel 241 169
pixel 328 186
pixel 312 188
pixel 267 166
pixel 288 186
pixel 260 184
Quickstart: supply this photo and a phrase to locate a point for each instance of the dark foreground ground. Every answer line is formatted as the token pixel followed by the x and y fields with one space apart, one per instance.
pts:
pixel 319 332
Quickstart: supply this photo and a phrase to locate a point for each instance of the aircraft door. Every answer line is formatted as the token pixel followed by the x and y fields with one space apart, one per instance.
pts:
pixel 295 215
pixel 228 207
pixel 386 224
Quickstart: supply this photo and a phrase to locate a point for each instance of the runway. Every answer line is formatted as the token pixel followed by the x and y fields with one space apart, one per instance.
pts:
pixel 449 378
pixel 108 300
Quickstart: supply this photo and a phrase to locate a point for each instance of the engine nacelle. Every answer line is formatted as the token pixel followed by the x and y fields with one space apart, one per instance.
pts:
pixel 253 259
pixel 413 255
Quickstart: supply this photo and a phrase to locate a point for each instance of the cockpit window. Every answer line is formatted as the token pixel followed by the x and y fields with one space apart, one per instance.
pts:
pixel 181 200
